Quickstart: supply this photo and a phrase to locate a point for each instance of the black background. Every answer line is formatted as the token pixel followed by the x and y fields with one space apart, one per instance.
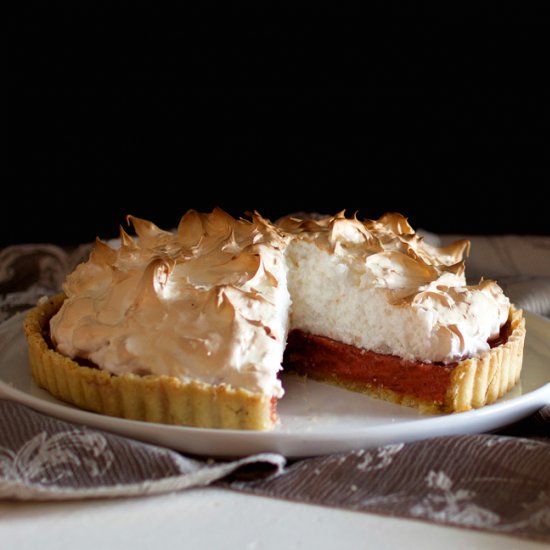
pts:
pixel 136 111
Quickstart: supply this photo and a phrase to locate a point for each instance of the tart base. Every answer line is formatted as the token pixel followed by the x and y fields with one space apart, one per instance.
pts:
pixel 161 399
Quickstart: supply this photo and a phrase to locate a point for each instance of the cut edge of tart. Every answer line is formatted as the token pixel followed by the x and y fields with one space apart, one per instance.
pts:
pixel 465 385
pixel 151 398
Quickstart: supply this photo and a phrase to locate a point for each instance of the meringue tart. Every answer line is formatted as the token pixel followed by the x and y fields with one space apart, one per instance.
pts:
pixel 191 326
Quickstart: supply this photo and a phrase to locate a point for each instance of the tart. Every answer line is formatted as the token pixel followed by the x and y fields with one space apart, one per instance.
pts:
pixel 191 326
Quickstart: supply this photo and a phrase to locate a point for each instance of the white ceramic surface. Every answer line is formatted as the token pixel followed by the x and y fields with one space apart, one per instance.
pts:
pixel 315 418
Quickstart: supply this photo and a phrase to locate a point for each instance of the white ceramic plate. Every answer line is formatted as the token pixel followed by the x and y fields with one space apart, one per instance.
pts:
pixel 315 418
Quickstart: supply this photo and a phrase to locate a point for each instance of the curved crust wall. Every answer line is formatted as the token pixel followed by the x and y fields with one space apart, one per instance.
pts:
pixel 482 380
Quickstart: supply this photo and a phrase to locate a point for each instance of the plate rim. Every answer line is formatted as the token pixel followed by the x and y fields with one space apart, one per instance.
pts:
pixel 293 442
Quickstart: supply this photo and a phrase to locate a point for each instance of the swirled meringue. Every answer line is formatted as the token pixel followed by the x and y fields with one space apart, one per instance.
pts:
pixel 211 301
pixel 208 302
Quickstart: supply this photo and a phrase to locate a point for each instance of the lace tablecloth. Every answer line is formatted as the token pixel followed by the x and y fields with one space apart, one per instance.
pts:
pixel 496 482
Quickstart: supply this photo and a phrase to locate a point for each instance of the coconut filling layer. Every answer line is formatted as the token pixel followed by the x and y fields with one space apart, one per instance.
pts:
pixel 211 302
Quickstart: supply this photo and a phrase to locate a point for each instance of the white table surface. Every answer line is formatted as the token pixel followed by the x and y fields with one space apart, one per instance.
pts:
pixel 221 519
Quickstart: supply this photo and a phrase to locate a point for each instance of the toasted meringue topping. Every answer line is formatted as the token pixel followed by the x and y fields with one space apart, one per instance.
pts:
pixel 203 303
pixel 210 301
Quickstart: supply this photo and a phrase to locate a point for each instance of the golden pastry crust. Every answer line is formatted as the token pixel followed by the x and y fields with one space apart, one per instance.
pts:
pixel 475 382
pixel 480 381
pixel 161 399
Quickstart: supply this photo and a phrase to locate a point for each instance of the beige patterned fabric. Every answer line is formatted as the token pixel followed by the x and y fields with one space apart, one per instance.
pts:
pixel 494 483
pixel 42 458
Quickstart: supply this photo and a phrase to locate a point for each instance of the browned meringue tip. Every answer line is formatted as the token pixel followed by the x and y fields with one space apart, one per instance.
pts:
pixel 102 253
pixel 160 399
pixel 398 223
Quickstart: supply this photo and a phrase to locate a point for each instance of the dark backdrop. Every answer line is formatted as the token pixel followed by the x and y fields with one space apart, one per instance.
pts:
pixel 151 113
